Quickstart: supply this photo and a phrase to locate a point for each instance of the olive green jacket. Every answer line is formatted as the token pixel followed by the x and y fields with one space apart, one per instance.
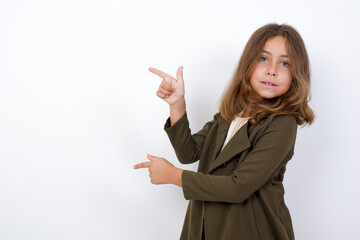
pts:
pixel 237 193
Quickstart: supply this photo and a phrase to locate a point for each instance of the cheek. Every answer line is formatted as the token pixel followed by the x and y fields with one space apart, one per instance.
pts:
pixel 252 80
pixel 285 76
pixel 255 74
pixel 257 69
pixel 288 81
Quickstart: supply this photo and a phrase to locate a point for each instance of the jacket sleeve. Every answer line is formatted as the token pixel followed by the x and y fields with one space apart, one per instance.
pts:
pixel 271 151
pixel 187 146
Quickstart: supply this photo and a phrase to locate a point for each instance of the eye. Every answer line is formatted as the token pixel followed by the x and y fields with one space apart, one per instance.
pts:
pixel 263 59
pixel 285 64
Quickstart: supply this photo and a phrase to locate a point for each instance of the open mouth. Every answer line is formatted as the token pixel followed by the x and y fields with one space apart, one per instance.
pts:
pixel 269 84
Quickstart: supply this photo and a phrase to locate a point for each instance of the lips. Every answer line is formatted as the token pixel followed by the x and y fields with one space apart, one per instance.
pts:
pixel 268 83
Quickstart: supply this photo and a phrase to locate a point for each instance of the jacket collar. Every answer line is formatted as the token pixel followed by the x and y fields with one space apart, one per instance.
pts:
pixel 237 144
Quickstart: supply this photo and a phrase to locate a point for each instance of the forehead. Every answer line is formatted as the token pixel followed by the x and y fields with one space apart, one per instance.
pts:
pixel 276 45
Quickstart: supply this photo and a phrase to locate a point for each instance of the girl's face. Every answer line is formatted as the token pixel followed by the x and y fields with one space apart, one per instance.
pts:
pixel 271 76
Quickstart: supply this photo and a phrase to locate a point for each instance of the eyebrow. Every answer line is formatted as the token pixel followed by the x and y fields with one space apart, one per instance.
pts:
pixel 264 51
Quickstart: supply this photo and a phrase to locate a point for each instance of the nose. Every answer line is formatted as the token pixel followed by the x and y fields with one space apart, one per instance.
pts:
pixel 271 71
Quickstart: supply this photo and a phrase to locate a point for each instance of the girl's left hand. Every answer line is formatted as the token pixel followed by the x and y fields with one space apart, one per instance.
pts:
pixel 161 171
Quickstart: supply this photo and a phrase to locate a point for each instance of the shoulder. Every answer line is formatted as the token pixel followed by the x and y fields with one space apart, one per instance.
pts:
pixel 217 116
pixel 285 125
pixel 276 121
pixel 282 126
pixel 282 121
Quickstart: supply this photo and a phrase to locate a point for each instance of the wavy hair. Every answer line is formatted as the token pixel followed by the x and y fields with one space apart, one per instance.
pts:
pixel 237 96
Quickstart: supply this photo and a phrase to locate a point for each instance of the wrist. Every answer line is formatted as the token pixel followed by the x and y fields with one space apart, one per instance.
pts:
pixel 177 110
pixel 176 177
pixel 178 103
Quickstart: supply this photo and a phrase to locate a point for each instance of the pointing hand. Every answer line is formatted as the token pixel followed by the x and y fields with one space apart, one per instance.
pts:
pixel 171 90
pixel 161 171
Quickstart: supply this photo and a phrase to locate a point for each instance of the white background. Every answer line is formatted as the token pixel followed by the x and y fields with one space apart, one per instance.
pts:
pixel 78 109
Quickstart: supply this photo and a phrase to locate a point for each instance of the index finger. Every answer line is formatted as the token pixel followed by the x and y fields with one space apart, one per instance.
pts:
pixel 142 165
pixel 159 73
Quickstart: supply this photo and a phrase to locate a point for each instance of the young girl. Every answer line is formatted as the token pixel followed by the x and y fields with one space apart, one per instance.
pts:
pixel 237 192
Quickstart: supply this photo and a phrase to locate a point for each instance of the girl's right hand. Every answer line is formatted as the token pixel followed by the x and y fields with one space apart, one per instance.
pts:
pixel 171 90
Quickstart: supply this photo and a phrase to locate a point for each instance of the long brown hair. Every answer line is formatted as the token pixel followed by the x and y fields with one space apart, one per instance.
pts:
pixel 237 96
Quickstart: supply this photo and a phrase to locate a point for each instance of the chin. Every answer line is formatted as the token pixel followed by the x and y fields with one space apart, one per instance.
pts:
pixel 267 97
